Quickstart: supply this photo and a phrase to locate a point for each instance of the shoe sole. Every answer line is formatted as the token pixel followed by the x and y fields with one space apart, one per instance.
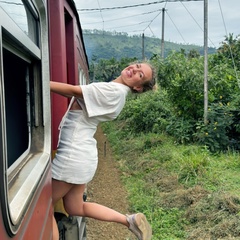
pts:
pixel 143 226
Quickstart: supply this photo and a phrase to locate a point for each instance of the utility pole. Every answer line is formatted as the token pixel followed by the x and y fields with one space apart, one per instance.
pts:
pixel 205 53
pixel 143 50
pixel 163 23
pixel 205 61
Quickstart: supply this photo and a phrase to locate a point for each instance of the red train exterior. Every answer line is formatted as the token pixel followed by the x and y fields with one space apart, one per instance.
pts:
pixel 39 40
pixel 67 54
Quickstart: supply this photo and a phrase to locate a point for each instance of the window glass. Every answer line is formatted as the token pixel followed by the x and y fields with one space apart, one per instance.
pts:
pixel 16 86
pixel 81 76
pixel 24 16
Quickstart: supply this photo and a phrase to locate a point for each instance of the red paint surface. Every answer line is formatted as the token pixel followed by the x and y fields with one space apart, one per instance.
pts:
pixel 37 223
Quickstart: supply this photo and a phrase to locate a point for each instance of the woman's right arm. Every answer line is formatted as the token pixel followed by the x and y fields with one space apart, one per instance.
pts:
pixel 66 90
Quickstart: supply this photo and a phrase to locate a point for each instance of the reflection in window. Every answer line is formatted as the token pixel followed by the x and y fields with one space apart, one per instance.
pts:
pixel 25 17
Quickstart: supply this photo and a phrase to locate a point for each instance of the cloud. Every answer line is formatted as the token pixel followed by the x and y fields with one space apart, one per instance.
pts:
pixel 184 21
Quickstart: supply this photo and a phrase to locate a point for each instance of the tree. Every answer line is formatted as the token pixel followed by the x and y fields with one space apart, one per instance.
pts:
pixel 231 49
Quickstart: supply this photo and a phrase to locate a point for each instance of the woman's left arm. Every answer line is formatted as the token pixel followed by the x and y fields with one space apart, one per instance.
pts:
pixel 66 90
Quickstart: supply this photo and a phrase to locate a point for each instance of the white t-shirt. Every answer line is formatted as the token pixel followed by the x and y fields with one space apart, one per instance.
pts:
pixel 103 100
pixel 77 157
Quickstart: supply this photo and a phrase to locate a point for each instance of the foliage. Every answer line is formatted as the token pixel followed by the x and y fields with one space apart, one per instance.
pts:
pixel 220 133
pixel 181 128
pixel 185 191
pixel 182 77
pixel 107 70
pixel 107 45
pixel 177 107
pixel 222 82
pixel 230 49
pixel 147 112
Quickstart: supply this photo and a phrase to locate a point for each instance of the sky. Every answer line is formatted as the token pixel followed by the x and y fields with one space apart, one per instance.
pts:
pixel 183 20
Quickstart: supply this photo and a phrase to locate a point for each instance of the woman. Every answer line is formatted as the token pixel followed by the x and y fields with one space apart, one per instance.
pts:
pixel 76 159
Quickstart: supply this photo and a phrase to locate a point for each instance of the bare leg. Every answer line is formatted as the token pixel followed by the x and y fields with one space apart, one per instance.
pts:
pixel 74 205
pixel 55 229
pixel 72 195
pixel 59 189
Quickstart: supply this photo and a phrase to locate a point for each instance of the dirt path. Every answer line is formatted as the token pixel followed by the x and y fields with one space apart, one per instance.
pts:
pixel 106 188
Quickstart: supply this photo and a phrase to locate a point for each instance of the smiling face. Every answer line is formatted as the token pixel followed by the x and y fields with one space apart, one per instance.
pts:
pixel 135 75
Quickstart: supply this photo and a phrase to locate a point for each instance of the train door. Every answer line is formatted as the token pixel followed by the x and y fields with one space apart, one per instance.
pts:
pixel 25 147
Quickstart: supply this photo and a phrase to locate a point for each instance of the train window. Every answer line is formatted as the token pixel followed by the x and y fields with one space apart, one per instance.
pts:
pixel 80 79
pixel 24 111
pixel 24 15
pixel 81 76
pixel 16 91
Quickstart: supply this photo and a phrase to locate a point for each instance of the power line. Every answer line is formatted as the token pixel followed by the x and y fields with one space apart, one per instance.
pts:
pixel 136 5
pixel 148 26
pixel 130 25
pixel 115 19
pixel 131 6
pixel 230 48
pixel 151 31
pixel 101 14
pixel 152 20
pixel 196 21
pixel 176 27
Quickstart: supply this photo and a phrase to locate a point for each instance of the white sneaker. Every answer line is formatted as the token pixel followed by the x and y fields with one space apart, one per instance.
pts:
pixel 139 225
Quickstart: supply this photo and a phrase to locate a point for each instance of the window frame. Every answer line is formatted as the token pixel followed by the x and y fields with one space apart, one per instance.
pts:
pixel 21 180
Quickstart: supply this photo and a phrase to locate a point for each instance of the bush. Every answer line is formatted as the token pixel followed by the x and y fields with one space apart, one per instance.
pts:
pixel 147 112
pixel 217 134
pixel 182 129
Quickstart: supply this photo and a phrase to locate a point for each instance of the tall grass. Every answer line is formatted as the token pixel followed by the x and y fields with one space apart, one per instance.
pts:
pixel 168 181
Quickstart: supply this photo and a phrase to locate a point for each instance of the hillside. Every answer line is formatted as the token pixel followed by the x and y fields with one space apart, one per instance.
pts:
pixel 106 45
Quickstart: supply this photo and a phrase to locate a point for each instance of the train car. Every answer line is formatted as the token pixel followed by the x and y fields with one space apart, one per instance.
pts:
pixel 39 40
pixel 69 64
pixel 68 57
pixel 25 124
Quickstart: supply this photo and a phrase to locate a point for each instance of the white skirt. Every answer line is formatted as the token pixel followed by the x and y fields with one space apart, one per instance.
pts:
pixel 76 157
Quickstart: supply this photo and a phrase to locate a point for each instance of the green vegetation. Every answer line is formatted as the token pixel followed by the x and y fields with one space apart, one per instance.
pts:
pixel 184 174
pixel 106 45
pixel 177 107
pixel 185 191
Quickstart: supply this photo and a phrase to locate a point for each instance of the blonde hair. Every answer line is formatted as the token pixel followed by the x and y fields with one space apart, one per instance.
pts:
pixel 149 84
